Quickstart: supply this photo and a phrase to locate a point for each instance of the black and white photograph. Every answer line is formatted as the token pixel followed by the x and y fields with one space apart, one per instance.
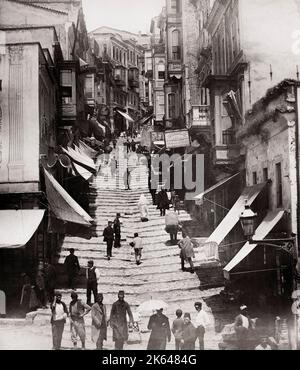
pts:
pixel 149 177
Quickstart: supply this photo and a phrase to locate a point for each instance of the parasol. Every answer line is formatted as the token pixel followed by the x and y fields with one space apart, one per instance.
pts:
pixel 151 305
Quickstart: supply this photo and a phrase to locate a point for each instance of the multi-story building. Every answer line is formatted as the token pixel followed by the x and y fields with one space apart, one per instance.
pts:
pixel 31 78
pixel 124 50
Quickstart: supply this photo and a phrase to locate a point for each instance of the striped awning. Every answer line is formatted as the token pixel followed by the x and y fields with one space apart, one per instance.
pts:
pixel 126 116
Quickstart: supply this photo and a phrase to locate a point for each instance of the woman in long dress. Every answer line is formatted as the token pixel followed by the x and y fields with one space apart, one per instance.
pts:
pixel 143 207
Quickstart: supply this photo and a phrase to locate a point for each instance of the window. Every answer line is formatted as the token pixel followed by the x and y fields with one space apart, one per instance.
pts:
pixel 105 49
pixel 114 52
pixel 176 52
pixel 172 107
pixel 265 174
pixel 66 85
pixel 175 5
pixel 117 54
pixel 161 71
pixel 254 178
pixel 279 185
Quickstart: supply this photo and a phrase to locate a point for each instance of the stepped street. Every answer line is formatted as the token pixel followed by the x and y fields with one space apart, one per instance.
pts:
pixel 158 277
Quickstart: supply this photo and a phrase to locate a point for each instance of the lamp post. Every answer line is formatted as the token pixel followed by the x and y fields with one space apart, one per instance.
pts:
pixel 288 245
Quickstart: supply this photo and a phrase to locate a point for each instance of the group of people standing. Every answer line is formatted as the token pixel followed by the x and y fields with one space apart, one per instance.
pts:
pixel 76 312
pixel 185 332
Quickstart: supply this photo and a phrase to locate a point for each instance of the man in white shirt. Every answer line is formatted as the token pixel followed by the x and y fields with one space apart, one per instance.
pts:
pixel 201 323
pixel 137 244
pixel 59 314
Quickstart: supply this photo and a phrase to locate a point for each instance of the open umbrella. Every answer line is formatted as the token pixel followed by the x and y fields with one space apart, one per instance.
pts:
pixel 151 305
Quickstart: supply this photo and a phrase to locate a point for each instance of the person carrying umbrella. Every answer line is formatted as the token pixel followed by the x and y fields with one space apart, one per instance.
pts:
pixel 160 331
pixel 118 320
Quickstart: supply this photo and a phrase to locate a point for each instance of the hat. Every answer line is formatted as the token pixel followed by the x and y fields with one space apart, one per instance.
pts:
pixel 187 315
pixel 119 214
pixel 242 308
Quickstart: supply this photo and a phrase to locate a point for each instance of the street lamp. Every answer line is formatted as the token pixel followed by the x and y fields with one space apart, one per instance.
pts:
pixel 288 245
pixel 247 219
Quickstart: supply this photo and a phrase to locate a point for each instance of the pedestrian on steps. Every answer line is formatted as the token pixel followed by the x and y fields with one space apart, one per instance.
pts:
pixel 189 334
pixel 162 201
pixel 143 208
pixel 99 322
pixel 202 321
pixel 186 252
pixel 108 238
pixel 137 244
pixel 72 268
pixel 172 225
pixel 92 278
pixel 117 231
pixel 78 310
pixel 118 320
pixel 160 331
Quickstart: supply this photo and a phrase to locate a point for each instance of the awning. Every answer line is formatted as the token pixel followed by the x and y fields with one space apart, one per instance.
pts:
pixel 18 227
pixel 83 172
pixel 63 205
pixel 216 186
pixel 267 225
pixel 146 119
pixel 126 116
pixel 90 152
pixel 83 63
pixel 83 161
pixel 232 218
pixel 234 105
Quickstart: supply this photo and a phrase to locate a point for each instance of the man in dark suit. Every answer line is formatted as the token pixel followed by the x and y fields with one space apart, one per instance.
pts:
pixel 72 268
pixel 160 331
pixel 117 231
pixel 108 235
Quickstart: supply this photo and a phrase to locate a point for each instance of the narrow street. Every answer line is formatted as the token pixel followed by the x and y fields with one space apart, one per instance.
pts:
pixel 158 277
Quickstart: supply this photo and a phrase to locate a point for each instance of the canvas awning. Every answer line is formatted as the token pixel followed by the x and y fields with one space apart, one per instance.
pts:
pixel 234 105
pixel 90 152
pixel 63 205
pixel 146 119
pixel 216 186
pixel 18 227
pixel 83 172
pixel 126 116
pixel 232 218
pixel 267 225
pixel 80 159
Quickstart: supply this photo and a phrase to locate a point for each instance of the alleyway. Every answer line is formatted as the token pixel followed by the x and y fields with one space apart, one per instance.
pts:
pixel 158 277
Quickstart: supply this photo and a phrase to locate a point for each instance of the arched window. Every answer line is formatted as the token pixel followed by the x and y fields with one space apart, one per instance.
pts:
pixel 171 105
pixel 176 52
pixel 161 70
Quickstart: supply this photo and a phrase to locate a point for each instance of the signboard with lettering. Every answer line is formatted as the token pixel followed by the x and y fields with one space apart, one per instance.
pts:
pixel 177 139
pixel 157 137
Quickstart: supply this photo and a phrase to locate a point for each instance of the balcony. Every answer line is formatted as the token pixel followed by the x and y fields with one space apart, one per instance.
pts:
pixel 119 81
pixel 133 83
pixel 228 153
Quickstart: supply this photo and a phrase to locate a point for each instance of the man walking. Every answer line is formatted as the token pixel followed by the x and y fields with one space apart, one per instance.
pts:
pixel 202 321
pixel 160 331
pixel 186 252
pixel 117 231
pixel 172 225
pixel 99 322
pixel 162 201
pixel 108 235
pixel 92 277
pixel 59 314
pixel 118 320
pixel 72 268
pixel 137 244
pixel 78 310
